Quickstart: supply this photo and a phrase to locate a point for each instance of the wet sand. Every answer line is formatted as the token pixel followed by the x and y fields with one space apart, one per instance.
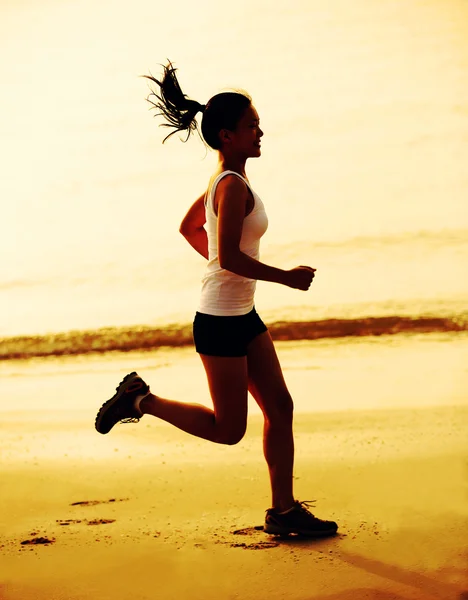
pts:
pixel 149 512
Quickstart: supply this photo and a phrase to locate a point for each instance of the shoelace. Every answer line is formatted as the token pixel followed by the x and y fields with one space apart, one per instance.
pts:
pixel 305 505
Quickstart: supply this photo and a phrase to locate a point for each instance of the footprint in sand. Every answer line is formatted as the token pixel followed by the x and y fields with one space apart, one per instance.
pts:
pixel 94 502
pixel 87 521
pixel 38 540
pixel 255 545
pixel 248 530
pixel 45 541
pixel 65 522
pixel 68 521
pixel 99 521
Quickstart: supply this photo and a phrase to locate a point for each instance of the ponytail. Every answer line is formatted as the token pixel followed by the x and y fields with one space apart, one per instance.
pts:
pixel 222 111
pixel 173 104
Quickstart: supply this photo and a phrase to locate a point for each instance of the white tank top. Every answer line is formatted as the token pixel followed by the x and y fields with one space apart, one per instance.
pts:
pixel 224 293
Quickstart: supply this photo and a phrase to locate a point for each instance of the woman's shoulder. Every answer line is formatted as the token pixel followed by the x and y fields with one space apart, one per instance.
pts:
pixel 229 185
pixel 227 180
pixel 227 173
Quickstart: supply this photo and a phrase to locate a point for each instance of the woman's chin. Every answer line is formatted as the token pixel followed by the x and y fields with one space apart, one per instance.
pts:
pixel 255 153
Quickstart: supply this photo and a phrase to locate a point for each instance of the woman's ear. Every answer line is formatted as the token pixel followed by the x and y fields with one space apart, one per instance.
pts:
pixel 225 136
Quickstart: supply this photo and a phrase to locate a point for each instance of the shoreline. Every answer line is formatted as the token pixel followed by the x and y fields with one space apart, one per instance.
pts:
pixel 143 338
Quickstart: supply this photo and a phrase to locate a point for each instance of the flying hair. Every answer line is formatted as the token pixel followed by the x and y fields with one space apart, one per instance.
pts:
pixel 222 111
pixel 171 103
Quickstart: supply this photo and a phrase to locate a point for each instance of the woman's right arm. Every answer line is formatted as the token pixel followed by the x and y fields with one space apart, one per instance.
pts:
pixel 192 227
pixel 232 196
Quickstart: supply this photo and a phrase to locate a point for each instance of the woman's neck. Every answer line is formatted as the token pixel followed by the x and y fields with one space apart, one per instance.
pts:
pixel 227 163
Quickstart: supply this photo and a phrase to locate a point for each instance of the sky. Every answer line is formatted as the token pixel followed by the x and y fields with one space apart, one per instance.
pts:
pixel 363 106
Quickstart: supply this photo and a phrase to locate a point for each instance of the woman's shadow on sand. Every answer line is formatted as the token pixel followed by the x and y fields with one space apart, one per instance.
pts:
pixel 424 583
pixel 373 594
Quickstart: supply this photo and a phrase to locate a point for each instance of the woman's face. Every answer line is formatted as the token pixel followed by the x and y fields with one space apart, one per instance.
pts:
pixel 245 140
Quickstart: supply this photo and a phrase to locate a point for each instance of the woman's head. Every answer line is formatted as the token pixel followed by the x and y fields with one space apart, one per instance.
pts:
pixel 225 115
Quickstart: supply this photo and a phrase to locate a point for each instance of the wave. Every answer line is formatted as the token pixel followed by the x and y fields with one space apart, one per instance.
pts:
pixel 125 339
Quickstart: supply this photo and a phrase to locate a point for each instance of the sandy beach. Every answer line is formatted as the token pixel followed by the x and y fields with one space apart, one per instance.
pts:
pixel 363 177
pixel 150 512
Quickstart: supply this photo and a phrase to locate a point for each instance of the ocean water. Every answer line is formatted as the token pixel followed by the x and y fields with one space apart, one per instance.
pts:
pixel 363 173
pixel 364 286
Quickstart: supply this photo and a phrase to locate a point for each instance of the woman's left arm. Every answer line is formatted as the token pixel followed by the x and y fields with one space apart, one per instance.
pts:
pixel 192 227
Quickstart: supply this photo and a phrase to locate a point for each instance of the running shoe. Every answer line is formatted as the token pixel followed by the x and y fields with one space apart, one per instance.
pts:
pixel 121 407
pixel 298 520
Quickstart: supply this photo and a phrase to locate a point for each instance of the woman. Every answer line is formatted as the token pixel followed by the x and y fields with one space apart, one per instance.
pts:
pixel 234 344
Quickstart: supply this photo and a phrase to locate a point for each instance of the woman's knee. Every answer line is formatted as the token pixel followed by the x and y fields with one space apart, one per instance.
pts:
pixel 231 435
pixel 281 410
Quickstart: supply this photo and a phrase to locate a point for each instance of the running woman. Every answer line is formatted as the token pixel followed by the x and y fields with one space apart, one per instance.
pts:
pixel 225 225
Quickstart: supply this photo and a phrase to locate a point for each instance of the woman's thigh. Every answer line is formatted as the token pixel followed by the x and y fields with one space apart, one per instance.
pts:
pixel 228 384
pixel 265 378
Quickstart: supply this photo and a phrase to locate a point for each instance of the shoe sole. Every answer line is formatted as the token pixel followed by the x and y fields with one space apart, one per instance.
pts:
pixel 123 387
pixel 278 530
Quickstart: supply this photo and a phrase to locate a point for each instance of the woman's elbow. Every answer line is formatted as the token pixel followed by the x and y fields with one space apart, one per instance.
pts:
pixel 227 260
pixel 185 229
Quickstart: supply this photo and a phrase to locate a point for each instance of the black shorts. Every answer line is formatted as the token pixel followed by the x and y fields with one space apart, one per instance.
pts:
pixel 226 336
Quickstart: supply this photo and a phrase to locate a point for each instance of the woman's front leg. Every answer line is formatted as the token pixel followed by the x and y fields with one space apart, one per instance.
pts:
pixel 267 386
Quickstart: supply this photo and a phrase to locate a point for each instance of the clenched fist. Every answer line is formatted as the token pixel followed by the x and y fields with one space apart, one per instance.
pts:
pixel 300 278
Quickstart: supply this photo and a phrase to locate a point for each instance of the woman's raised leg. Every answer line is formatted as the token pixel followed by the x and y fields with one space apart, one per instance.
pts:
pixel 226 423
